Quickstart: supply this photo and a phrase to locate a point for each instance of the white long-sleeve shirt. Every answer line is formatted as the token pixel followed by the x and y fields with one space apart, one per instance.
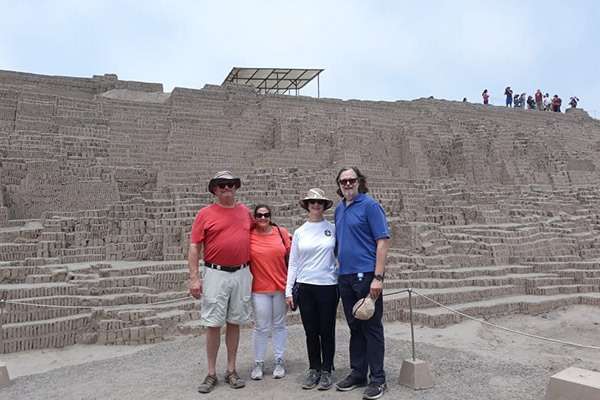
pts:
pixel 312 259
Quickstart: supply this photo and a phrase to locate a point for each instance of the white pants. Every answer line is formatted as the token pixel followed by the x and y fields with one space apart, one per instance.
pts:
pixel 270 316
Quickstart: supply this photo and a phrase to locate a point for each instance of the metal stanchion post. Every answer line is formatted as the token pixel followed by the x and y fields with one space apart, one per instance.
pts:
pixel 415 373
pixel 4 377
pixel 412 326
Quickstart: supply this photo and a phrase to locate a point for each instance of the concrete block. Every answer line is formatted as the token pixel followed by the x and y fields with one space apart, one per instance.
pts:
pixel 574 384
pixel 4 377
pixel 416 374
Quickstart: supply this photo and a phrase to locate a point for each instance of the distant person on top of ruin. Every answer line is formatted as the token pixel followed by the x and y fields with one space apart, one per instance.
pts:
pixel 556 103
pixel 269 247
pixel 573 101
pixel 530 103
pixel 539 100
pixel 485 95
pixel 312 287
pixel 509 96
pixel 547 102
pixel 517 101
pixel 362 244
pixel 523 101
pixel 221 231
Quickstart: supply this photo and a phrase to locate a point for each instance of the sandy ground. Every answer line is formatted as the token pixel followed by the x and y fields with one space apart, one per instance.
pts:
pixel 468 361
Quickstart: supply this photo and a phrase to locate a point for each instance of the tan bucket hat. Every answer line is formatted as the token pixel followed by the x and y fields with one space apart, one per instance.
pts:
pixel 364 308
pixel 315 194
pixel 222 176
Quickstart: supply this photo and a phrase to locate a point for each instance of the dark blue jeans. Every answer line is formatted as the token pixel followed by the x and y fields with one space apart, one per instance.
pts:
pixel 367 344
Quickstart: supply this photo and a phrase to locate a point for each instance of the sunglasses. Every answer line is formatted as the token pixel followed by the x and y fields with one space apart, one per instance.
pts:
pixel 223 185
pixel 313 201
pixel 345 182
pixel 262 215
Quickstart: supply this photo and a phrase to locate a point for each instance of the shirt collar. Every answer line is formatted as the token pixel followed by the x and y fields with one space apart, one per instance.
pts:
pixel 357 199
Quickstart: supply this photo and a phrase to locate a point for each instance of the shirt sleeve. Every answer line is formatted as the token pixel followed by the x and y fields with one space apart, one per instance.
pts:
pixel 287 243
pixel 197 233
pixel 377 221
pixel 292 267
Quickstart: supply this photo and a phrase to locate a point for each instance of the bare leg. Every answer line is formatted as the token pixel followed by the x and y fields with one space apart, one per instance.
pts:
pixel 232 340
pixel 213 341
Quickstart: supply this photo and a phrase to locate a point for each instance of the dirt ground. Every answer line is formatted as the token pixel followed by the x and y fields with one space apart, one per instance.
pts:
pixel 468 361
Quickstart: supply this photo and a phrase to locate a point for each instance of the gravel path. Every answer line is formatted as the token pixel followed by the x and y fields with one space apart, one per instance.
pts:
pixel 478 367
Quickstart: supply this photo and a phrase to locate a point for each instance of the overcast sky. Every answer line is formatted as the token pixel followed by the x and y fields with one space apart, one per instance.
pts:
pixel 375 50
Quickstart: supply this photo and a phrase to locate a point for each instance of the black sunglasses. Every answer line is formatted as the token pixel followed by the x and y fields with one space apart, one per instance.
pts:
pixel 259 215
pixel 223 185
pixel 312 201
pixel 345 182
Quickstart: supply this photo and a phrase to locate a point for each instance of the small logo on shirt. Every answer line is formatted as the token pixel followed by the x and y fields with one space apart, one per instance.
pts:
pixel 327 232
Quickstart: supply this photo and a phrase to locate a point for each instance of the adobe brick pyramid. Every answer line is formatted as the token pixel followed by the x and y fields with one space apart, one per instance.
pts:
pixel 493 210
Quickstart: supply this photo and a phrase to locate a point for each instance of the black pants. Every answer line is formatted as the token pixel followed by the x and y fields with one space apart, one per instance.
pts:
pixel 367 345
pixel 318 309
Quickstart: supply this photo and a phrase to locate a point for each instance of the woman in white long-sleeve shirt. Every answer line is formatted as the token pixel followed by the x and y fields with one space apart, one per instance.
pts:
pixel 312 266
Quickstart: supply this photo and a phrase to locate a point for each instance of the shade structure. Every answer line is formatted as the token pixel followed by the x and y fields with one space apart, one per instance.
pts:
pixel 273 80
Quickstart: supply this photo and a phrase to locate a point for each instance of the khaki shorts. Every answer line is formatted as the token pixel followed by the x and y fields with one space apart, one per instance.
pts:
pixel 226 297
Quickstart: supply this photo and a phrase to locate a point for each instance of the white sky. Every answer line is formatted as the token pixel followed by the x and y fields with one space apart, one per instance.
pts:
pixel 375 50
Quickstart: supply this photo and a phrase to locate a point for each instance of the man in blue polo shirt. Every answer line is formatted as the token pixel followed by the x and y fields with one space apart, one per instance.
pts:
pixel 362 237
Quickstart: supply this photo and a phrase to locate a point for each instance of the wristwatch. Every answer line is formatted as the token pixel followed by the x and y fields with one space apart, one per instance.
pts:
pixel 379 277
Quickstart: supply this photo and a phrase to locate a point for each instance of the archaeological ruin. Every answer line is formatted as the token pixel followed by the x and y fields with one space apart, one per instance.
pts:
pixel 493 210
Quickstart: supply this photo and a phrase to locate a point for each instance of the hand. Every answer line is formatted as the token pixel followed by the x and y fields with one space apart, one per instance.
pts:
pixel 195 287
pixel 376 289
pixel 290 302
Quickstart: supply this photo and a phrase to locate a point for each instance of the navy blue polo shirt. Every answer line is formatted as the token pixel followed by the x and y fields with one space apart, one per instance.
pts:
pixel 357 229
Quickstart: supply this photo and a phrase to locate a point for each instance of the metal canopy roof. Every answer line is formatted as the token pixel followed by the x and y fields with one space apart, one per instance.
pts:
pixel 274 80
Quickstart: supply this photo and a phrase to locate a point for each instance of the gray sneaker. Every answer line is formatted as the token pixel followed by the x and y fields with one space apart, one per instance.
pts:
pixel 311 379
pixel 279 369
pixel 257 371
pixel 325 382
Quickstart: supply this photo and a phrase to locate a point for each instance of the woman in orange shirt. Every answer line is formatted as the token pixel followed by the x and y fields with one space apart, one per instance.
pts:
pixel 269 246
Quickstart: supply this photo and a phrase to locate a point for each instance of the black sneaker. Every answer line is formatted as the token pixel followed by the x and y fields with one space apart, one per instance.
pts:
pixel 311 379
pixel 348 383
pixel 374 391
pixel 325 383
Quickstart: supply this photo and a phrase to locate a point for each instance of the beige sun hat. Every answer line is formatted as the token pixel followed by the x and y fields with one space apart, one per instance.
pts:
pixel 223 176
pixel 364 308
pixel 315 194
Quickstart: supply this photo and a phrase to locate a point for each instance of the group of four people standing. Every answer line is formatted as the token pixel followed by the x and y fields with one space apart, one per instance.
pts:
pixel 245 263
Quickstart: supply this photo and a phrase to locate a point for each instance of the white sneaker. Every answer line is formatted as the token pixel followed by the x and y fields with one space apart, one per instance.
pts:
pixel 257 371
pixel 279 369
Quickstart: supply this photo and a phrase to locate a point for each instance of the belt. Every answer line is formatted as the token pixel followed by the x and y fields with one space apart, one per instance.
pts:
pixel 226 268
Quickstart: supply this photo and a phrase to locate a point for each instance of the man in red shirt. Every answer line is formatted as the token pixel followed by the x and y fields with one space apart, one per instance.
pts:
pixel 222 230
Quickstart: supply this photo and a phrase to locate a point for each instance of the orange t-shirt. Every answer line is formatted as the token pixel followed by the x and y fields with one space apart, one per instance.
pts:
pixel 267 260
pixel 225 233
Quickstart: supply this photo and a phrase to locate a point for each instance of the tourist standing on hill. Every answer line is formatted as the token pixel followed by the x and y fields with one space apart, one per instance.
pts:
pixel 517 101
pixel 523 101
pixel 547 102
pixel 269 246
pixel 363 241
pixel 485 95
pixel 313 269
pixel 530 103
pixel 222 230
pixel 573 101
pixel 539 100
pixel 556 103
pixel 509 96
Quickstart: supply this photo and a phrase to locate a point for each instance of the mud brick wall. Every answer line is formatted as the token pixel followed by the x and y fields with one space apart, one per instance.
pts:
pixel 109 148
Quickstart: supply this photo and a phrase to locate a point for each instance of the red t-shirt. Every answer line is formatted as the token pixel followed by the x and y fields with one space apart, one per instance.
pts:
pixel 225 233
pixel 267 260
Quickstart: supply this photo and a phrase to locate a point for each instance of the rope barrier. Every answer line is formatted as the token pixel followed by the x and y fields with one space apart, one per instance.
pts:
pixel 503 328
